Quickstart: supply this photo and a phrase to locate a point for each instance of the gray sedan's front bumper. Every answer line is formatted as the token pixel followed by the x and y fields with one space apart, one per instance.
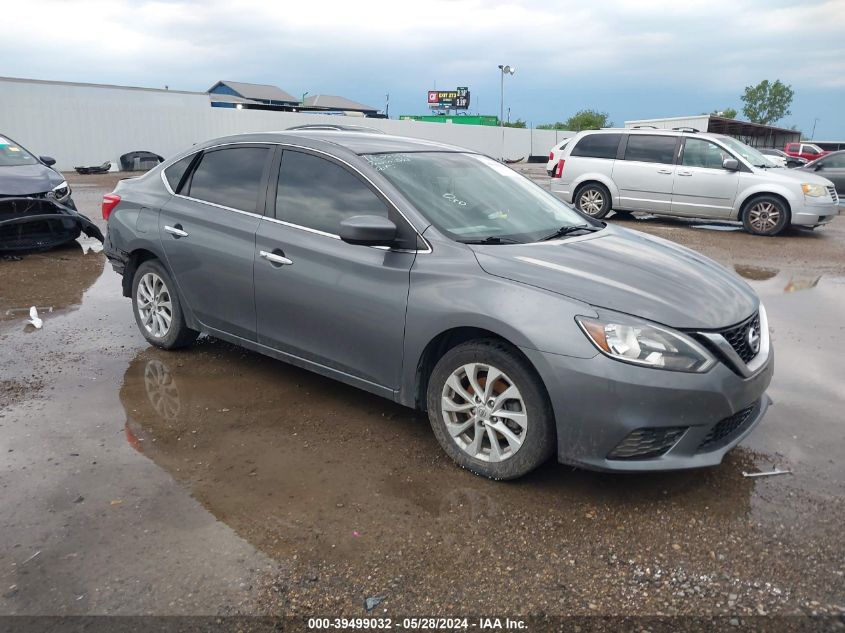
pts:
pixel 598 402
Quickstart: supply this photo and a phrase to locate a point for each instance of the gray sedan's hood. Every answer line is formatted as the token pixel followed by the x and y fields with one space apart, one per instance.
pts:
pixel 629 272
pixel 24 180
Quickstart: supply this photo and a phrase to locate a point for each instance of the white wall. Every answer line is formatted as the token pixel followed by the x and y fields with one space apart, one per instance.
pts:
pixel 84 124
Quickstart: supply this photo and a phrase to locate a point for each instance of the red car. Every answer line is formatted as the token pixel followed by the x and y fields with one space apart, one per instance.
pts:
pixel 805 150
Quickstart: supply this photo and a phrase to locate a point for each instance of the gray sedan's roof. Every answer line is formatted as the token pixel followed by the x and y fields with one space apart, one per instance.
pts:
pixel 357 142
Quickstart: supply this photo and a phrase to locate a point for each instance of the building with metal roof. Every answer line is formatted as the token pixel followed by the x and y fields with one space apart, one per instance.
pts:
pixel 754 134
pixel 335 103
pixel 230 94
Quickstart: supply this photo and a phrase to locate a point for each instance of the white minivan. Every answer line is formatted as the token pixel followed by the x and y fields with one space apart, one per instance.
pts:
pixel 690 174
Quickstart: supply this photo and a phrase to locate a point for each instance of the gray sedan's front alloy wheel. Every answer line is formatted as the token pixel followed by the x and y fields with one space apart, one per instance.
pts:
pixel 154 306
pixel 484 412
pixel 489 409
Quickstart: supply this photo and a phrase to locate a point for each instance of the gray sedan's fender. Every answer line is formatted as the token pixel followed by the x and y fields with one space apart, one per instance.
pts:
pixel 452 291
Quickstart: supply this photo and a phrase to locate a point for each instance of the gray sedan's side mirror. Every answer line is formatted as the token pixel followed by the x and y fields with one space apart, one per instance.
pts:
pixel 47 160
pixel 368 230
pixel 818 167
pixel 731 164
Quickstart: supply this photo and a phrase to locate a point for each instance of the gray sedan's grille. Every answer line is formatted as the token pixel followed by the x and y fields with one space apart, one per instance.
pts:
pixel 737 336
pixel 647 442
pixel 832 192
pixel 724 431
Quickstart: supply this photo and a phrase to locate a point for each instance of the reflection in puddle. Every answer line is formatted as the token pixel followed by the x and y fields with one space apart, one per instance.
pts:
pixel 757 273
pixel 717 227
pixel 303 466
pixel 802 284
pixel 793 281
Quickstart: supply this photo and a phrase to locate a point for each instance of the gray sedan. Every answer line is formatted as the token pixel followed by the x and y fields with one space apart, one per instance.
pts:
pixel 443 280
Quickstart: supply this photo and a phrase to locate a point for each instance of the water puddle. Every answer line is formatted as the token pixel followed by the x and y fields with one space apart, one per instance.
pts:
pixel 354 494
pixel 54 280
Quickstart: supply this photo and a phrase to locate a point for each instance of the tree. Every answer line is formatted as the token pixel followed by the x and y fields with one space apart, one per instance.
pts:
pixel 518 123
pixel 728 113
pixel 581 120
pixel 767 102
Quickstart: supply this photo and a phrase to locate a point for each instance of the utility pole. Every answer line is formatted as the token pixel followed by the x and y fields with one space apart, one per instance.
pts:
pixel 813 135
pixel 503 68
pixel 387 105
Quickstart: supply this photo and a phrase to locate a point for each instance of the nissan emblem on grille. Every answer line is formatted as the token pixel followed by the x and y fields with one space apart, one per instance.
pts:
pixel 753 339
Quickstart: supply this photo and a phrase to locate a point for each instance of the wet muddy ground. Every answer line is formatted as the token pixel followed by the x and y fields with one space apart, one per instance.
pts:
pixel 214 480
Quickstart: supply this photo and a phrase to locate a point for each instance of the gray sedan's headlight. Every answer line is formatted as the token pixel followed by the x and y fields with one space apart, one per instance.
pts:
pixel 61 192
pixel 639 342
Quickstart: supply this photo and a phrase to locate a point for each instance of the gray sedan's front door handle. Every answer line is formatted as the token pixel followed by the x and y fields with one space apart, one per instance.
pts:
pixel 176 231
pixel 664 171
pixel 275 259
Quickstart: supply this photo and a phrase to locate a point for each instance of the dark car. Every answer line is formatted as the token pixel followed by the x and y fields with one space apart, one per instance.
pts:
pixel 36 209
pixel 23 174
pixel 446 281
pixel 832 167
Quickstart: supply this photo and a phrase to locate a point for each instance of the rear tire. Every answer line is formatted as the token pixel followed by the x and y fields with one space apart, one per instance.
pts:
pixel 593 200
pixel 505 432
pixel 765 215
pixel 157 309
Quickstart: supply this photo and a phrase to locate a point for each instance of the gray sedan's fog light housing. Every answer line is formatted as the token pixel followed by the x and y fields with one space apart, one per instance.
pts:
pixel 648 442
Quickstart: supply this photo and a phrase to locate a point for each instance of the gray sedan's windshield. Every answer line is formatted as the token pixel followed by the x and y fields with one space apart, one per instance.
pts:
pixel 473 198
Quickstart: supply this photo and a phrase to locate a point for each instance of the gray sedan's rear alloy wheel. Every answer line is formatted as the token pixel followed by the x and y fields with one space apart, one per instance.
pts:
pixel 154 305
pixel 484 412
pixel 158 312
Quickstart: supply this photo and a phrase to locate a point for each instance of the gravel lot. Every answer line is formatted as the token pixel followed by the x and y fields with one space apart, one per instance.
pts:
pixel 218 481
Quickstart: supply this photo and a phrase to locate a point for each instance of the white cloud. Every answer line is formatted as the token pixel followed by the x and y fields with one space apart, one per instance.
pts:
pixel 706 46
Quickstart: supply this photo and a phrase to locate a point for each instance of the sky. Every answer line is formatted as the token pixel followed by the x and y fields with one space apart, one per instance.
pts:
pixel 634 59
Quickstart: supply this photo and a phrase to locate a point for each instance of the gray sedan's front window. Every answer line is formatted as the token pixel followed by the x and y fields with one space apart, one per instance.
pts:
pixel 474 198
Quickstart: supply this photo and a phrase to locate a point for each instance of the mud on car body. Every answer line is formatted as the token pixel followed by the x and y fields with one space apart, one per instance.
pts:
pixel 444 280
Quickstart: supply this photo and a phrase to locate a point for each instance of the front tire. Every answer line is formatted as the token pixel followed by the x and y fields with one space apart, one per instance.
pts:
pixel 157 309
pixel 593 200
pixel 489 410
pixel 765 215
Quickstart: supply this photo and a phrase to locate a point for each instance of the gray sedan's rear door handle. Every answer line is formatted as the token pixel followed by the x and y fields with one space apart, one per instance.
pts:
pixel 275 259
pixel 685 173
pixel 664 171
pixel 176 231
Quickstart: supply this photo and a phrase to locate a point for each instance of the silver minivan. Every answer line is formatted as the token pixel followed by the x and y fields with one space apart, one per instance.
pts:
pixel 690 174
